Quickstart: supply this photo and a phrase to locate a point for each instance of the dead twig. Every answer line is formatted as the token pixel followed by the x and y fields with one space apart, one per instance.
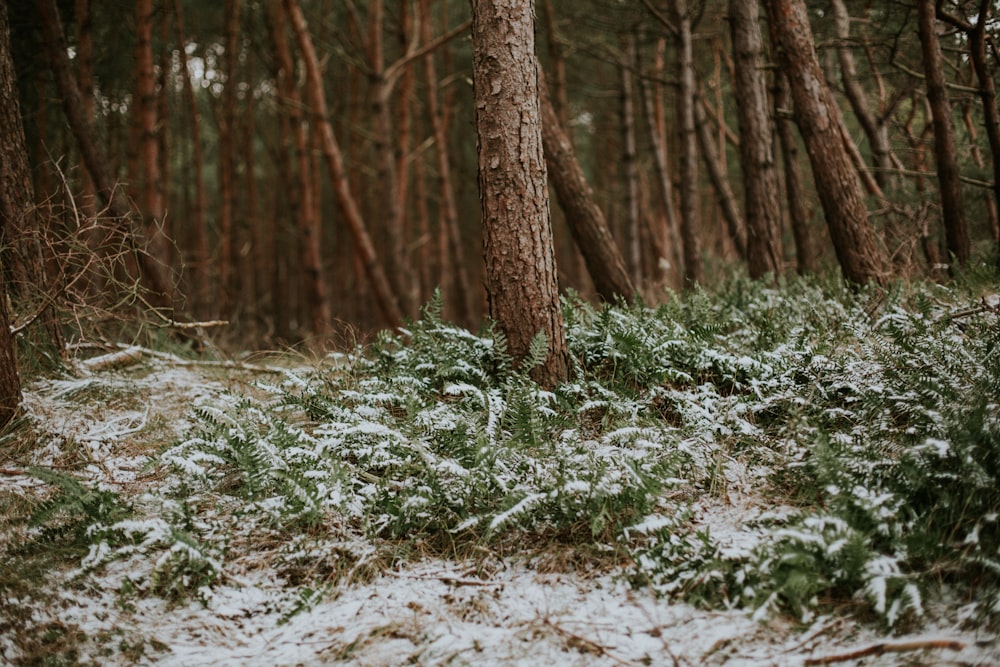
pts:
pixel 584 644
pixel 888 647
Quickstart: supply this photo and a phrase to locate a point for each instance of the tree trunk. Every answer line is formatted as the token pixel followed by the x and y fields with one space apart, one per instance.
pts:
pixel 795 195
pixel 720 181
pixel 987 94
pixel 584 217
pixel 227 158
pixel 93 154
pixel 519 254
pixel 17 198
pixel 384 296
pixel 670 235
pixel 819 121
pixel 149 148
pixel 690 232
pixel 630 161
pixel 757 161
pixel 454 256
pixel 945 147
pixel 874 127
pixel 200 278
pixel 310 233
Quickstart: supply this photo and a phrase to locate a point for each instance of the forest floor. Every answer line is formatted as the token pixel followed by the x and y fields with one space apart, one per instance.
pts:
pixel 512 605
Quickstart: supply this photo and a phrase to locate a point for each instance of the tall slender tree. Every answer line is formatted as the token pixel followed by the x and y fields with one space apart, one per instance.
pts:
pixel 757 160
pixel 820 121
pixel 521 284
pixel 945 146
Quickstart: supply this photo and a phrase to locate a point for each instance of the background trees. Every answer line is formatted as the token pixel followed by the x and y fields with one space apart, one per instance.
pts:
pixel 293 194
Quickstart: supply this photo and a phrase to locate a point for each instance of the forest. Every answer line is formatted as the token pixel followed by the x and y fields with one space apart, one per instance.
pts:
pixel 506 332
pixel 307 172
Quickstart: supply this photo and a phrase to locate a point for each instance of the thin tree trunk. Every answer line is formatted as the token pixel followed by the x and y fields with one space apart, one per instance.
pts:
pixel 584 217
pixel 93 153
pixel 227 159
pixel 757 160
pixel 720 181
pixel 945 146
pixel 795 195
pixel 309 231
pixel 670 235
pixel 200 278
pixel 385 297
pixel 978 38
pixel 518 248
pixel 149 148
pixel 690 232
pixel 874 128
pixel 819 121
pixel 449 210
pixel 630 161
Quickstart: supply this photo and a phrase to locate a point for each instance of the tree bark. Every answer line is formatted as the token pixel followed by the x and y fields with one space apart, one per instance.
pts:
pixel 757 161
pixel 375 273
pixel 16 200
pixel 584 217
pixel 518 249
pixel 987 91
pixel 819 121
pixel 227 158
pixel 94 157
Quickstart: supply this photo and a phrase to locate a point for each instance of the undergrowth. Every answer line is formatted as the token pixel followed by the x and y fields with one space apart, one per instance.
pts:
pixel 868 421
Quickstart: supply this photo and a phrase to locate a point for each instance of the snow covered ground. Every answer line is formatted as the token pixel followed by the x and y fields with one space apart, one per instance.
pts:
pixel 496 610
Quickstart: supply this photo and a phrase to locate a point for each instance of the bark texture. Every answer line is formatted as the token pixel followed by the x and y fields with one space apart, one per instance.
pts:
pixel 690 233
pixel 819 121
pixel 519 255
pixel 16 197
pixel 760 176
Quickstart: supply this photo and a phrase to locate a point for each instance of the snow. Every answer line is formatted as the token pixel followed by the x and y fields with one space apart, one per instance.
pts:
pixel 495 610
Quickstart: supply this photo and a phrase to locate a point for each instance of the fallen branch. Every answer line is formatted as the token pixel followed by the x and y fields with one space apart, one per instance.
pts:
pixel 113 360
pixel 888 647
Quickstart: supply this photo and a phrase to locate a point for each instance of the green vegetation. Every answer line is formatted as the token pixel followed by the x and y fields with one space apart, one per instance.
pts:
pixel 859 430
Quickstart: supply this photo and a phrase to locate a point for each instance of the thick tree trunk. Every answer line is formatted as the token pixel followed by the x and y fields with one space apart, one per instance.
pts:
pixel 584 217
pixel 519 254
pixel 757 161
pixel 384 296
pixel 92 152
pixel 819 121
pixel 17 197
